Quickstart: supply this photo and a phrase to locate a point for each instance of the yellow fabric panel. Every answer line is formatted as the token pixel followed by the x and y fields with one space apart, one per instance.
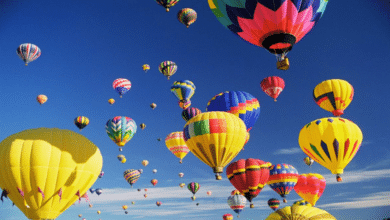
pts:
pixel 298 212
pixel 328 132
pixel 51 159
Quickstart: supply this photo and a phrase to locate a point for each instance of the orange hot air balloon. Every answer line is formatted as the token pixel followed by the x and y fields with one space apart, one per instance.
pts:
pixel 111 101
pixel 41 99
pixel 310 187
pixel 154 182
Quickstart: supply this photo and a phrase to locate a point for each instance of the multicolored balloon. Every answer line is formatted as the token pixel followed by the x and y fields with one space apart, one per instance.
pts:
pixel 248 176
pixel 304 212
pixel 145 163
pixel 124 207
pixel 153 105
pixel 274 25
pixel 241 104
pixel 121 158
pixel 187 16
pixel 215 138
pixel 227 216
pixel 310 187
pixel 193 187
pixel 236 202
pixel 142 126
pixel 273 203
pixel 308 161
pixel 41 99
pixel 28 52
pixel 131 176
pixel 101 174
pixel 121 86
pixel 182 185
pixel 282 179
pixel 181 175
pixel 99 191
pixel 168 68
pixel 145 195
pixel 189 113
pixel 176 144
pixel 167 3
pixel 332 142
pixel 111 101
pixel 183 90
pixel 121 129
pixel 208 193
pixel 333 95
pixel 81 122
pixel 145 67
pixel 272 86
pixel 154 182
pixel 158 203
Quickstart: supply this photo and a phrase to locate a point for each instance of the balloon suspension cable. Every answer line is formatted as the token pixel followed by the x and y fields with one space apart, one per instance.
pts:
pixel 338 178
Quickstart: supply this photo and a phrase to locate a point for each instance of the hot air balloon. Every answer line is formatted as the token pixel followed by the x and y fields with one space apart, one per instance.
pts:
pixel 308 161
pixel 158 203
pixel 189 113
pixel 272 86
pixel 236 202
pixel 101 174
pixel 111 101
pixel 331 142
pixel 248 176
pixel 302 202
pixel 333 95
pixel 227 217
pixel 145 190
pixel 181 175
pixel 98 212
pixel 154 182
pixel 300 212
pixel 182 185
pixel 138 190
pixel 142 126
pixel 153 105
pixel 209 193
pixel 197 204
pixel 187 16
pixel 168 68
pixel 241 104
pixel 131 176
pixel 282 179
pixel 126 212
pixel 310 187
pixel 183 90
pixel 121 129
pixel 121 158
pixel 145 195
pixel 176 144
pixel 193 188
pixel 215 138
pixel 92 190
pixel 273 203
pixel 99 191
pixel 133 202
pixel 145 163
pixel 145 67
pixel 90 205
pixel 167 3
pixel 81 122
pixel 275 25
pixel 80 215
pixel 45 154
pixel 121 86
pixel 193 198
pixel 158 139
pixel 28 52
pixel 154 171
pixel 41 99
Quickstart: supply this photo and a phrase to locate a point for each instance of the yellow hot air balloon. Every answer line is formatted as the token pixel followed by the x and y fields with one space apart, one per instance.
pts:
pixel 300 212
pixel 215 138
pixel 41 99
pixel 111 101
pixel 331 142
pixel 45 170
pixel 333 95
pixel 145 163
pixel 98 212
pixel 124 207
pixel 176 144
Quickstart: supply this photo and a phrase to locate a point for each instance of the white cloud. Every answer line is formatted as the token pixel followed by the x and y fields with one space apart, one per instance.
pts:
pixel 358 176
pixel 293 150
pixel 372 200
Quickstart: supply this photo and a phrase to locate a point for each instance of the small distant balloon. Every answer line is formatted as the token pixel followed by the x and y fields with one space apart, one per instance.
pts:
pixel 111 101
pixel 81 122
pixel 153 105
pixel 41 99
pixel 145 67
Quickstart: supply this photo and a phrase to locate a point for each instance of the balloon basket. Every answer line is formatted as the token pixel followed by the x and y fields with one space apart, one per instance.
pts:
pixel 252 206
pixel 283 64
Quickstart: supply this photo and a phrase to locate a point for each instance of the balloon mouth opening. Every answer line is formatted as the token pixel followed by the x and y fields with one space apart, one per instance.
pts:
pixel 338 112
pixel 279 43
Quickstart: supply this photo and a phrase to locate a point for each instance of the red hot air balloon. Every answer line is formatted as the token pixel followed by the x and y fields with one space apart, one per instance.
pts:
pixel 154 182
pixel 248 176
pixel 310 187
pixel 272 86
pixel 227 217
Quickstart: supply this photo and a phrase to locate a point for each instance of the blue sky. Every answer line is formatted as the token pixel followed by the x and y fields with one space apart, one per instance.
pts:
pixel 86 46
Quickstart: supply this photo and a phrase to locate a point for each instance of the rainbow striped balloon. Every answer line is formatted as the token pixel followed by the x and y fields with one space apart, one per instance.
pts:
pixel 282 179
pixel 168 68
pixel 131 176
pixel 187 16
pixel 121 129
